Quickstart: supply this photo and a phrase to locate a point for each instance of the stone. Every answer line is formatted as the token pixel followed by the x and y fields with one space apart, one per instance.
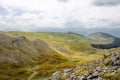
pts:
pixel 93 75
pixel 73 76
pixel 98 69
pixel 68 70
pixel 83 78
pixel 56 75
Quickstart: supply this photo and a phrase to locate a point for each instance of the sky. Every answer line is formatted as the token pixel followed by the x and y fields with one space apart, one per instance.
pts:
pixel 62 14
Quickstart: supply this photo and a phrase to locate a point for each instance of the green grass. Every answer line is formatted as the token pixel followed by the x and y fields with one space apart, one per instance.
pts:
pixel 57 40
pixel 51 58
pixel 111 76
pixel 65 51
pixel 14 71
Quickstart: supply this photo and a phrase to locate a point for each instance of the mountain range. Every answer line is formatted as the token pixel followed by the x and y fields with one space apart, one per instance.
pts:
pixel 39 54
pixel 79 30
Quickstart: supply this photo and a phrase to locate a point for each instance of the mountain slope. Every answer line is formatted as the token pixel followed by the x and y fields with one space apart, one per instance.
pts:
pixel 103 40
pixel 40 54
pixel 63 42
pixel 107 68
pixel 20 52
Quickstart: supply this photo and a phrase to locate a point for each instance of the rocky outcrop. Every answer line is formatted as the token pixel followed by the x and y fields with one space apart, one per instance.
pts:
pixel 21 50
pixel 110 64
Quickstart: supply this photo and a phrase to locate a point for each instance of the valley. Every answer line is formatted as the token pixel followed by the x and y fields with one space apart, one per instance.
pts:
pixel 37 55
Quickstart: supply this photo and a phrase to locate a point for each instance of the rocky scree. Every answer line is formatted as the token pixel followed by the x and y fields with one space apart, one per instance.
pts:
pixel 94 71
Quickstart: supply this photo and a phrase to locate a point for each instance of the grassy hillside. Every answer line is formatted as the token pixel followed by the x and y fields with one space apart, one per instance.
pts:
pixel 63 42
pixel 42 53
pixel 22 53
pixel 101 38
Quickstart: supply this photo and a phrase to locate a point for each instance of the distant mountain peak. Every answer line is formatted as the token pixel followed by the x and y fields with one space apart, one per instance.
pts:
pixel 100 35
pixel 103 40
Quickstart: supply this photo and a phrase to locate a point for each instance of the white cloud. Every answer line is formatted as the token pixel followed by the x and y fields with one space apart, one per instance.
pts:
pixel 2 22
pixel 28 14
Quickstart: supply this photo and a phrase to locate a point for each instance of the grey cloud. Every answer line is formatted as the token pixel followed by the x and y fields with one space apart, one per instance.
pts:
pixel 3 11
pixel 63 0
pixel 73 23
pixel 104 20
pixel 115 24
pixel 18 12
pixel 106 2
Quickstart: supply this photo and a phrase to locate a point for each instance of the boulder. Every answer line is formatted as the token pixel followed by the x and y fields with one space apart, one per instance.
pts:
pixel 56 75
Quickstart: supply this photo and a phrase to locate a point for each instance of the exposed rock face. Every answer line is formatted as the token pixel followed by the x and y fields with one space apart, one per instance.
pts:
pixel 111 64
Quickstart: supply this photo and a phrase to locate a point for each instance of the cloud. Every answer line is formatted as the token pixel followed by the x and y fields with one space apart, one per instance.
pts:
pixel 26 14
pixel 3 11
pixel 106 2
pixel 63 0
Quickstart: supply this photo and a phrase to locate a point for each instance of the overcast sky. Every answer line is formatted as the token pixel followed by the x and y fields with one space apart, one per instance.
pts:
pixel 33 14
